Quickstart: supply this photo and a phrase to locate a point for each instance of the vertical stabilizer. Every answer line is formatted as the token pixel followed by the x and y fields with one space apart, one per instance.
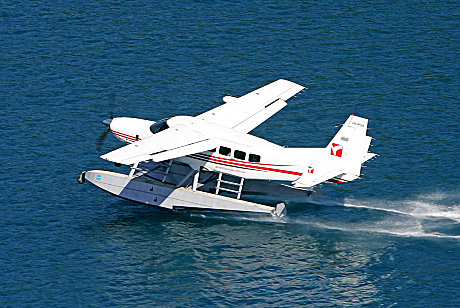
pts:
pixel 343 157
pixel 351 140
pixel 350 145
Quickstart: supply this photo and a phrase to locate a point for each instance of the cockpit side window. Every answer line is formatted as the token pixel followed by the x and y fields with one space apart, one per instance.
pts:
pixel 225 151
pixel 158 127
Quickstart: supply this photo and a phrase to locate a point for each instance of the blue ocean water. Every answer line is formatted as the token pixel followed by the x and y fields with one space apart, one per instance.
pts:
pixel 391 239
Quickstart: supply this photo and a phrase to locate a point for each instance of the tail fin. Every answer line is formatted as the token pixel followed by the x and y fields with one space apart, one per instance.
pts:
pixel 350 147
pixel 351 140
pixel 344 155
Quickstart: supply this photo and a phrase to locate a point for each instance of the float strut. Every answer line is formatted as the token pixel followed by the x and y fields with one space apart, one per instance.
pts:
pixel 133 169
pixel 195 181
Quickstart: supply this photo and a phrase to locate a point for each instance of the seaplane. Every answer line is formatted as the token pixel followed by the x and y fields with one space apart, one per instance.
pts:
pixel 210 162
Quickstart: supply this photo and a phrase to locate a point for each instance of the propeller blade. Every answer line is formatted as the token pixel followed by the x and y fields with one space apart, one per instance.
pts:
pixel 102 137
pixel 107 122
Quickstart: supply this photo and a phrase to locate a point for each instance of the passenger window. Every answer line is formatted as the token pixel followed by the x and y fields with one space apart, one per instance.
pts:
pixel 224 151
pixel 254 158
pixel 239 154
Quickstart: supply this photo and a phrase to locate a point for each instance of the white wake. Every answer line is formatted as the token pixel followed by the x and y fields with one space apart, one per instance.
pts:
pixel 420 216
pixel 423 206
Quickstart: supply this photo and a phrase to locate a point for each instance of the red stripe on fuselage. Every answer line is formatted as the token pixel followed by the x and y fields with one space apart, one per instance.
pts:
pixel 206 156
pixel 242 164
pixel 125 136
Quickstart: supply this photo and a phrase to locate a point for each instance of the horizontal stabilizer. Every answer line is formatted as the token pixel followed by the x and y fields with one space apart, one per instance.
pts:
pixel 307 180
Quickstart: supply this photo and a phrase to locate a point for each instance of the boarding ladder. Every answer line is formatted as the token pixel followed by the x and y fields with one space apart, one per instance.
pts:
pixel 230 183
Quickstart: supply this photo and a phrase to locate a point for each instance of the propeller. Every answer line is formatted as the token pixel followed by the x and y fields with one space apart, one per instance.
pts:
pixel 102 137
pixel 107 122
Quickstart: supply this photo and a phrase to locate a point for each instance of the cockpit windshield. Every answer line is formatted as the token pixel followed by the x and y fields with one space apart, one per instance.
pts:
pixel 159 126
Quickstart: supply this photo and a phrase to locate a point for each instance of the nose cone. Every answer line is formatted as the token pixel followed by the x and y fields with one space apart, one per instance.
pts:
pixel 107 122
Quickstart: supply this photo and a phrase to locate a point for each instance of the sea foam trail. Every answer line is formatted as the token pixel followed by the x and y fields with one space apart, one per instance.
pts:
pixel 417 216
pixel 403 233
pixel 420 211
pixel 415 208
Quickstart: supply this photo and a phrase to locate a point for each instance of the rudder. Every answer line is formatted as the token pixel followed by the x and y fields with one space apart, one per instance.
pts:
pixel 351 140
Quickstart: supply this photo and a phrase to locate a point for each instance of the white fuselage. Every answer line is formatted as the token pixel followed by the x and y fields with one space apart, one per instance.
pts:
pixel 251 158
pixel 218 140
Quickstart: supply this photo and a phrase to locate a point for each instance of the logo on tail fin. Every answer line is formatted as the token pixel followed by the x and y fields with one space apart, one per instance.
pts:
pixel 336 150
pixel 310 169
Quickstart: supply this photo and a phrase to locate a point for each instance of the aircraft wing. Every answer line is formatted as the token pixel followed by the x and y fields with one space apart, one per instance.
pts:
pixel 174 142
pixel 249 111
